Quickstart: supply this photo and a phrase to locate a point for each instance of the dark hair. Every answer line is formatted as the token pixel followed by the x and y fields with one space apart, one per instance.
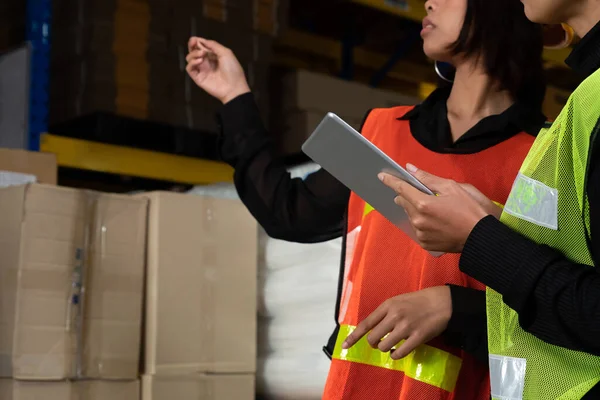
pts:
pixel 509 45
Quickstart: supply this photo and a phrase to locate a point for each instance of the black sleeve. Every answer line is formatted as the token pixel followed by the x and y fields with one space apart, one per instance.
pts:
pixel 558 301
pixel 467 328
pixel 306 211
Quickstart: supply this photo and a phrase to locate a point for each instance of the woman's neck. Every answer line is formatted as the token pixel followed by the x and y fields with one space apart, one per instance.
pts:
pixel 585 16
pixel 474 96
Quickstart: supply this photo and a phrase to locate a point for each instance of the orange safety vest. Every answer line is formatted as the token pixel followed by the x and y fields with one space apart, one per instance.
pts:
pixel 382 262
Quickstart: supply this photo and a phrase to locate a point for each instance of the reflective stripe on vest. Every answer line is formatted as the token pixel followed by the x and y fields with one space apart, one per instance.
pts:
pixel 548 205
pixel 426 364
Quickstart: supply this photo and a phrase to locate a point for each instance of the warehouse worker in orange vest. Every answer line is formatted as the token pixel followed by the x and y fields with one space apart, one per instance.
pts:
pixel 540 254
pixel 474 130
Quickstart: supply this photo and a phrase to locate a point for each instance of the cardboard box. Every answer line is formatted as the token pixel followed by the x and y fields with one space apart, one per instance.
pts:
pixel 100 39
pixel 233 13
pixel 312 91
pixel 195 387
pixel 81 390
pixel 41 165
pixel 270 16
pixel 92 74
pixel 70 11
pixel 201 286
pixel 104 96
pixel 128 103
pixel 72 270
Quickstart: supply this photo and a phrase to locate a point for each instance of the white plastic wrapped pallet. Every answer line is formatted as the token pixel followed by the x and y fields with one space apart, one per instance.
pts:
pixel 296 301
pixel 302 285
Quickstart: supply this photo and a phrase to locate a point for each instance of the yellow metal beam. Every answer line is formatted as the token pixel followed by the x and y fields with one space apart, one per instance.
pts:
pixel 557 57
pixel 415 10
pixel 93 156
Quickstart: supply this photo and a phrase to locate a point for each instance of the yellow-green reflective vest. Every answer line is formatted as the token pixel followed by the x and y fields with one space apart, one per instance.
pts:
pixel 548 204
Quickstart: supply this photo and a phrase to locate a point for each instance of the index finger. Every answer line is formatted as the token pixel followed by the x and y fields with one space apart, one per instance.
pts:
pixel 192 43
pixel 213 46
pixel 363 328
pixel 403 189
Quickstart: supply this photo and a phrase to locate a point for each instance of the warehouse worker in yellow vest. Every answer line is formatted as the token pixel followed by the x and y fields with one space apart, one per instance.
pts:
pixel 538 255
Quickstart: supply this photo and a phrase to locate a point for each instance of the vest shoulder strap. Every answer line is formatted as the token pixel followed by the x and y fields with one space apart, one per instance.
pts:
pixel 390 112
pixel 380 116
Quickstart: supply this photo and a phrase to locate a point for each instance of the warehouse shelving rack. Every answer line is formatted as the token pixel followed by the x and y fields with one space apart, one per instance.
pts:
pixel 90 155
pixel 120 160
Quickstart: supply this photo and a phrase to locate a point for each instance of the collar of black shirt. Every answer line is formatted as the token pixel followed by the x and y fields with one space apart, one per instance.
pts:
pixel 585 57
pixel 429 125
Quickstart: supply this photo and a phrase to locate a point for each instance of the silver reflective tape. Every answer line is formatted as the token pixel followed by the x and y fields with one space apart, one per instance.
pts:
pixel 507 377
pixel 534 202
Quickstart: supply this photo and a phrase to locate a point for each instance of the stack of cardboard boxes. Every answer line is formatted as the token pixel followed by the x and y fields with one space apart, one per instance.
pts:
pixel 100 58
pixel 200 334
pixel 12 24
pixel 264 16
pixel 301 99
pixel 81 269
pixel 72 271
pixel 229 23
pixel 127 57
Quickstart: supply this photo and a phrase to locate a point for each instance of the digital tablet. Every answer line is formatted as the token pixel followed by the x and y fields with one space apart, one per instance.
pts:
pixel 355 162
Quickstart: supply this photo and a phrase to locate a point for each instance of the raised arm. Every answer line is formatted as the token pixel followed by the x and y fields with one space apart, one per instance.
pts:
pixel 301 210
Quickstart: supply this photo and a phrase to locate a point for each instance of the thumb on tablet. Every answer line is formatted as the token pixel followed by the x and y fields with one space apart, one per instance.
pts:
pixel 434 183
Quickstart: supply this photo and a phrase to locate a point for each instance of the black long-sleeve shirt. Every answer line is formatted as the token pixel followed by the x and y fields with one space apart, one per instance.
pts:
pixel 313 209
pixel 557 300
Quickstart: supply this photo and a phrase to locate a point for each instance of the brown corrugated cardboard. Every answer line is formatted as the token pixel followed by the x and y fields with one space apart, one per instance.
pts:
pixel 81 390
pixel 215 9
pixel 69 11
pixel 42 165
pixel 312 91
pixel 72 271
pixel 121 70
pixel 201 286
pixel 266 18
pixel 129 57
pixel 195 387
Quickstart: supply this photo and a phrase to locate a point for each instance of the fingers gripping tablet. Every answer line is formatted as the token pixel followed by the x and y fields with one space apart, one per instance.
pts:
pixel 356 162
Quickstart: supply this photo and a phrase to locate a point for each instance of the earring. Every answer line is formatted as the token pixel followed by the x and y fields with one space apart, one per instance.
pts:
pixel 570 34
pixel 558 36
pixel 449 77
